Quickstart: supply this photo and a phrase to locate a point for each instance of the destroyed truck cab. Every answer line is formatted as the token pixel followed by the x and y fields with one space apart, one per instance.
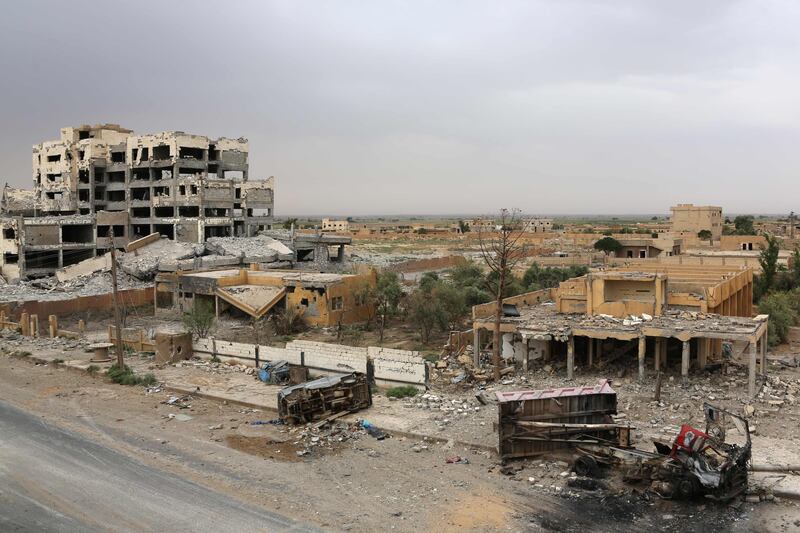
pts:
pixel 705 463
pixel 696 464
pixel 323 397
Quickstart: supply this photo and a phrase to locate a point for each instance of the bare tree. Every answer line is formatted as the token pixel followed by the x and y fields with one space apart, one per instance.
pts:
pixel 501 251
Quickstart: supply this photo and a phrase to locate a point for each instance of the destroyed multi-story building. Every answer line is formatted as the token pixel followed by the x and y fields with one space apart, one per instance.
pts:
pixel 104 178
pixel 674 315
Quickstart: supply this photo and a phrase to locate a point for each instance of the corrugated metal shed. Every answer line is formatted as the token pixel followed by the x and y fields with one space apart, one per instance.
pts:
pixel 530 422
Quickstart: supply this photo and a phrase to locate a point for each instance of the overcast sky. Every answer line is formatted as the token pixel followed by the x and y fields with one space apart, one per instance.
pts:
pixel 561 106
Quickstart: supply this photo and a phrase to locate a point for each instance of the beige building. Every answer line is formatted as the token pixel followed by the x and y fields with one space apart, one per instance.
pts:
pixel 538 225
pixel 335 225
pixel 689 220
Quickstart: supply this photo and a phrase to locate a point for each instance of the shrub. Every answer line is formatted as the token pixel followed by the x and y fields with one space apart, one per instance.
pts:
pixel 92 370
pixel 200 319
pixel 782 314
pixel 405 391
pixel 126 376
pixel 288 322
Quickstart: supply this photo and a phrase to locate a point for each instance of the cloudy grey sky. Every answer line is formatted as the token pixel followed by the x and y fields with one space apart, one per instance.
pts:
pixel 364 107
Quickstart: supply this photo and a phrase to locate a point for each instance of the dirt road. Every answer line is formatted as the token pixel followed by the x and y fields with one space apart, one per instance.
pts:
pixel 56 480
pixel 363 484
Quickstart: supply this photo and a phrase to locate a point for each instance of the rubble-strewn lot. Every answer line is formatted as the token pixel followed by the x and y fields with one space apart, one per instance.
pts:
pixel 353 481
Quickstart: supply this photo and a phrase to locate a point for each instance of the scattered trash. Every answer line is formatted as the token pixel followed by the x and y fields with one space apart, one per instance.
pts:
pixel 179 401
pixel 274 372
pixel 456 459
pixel 212 428
pixel 274 421
pixel 372 430
pixel 459 378
pixel 154 389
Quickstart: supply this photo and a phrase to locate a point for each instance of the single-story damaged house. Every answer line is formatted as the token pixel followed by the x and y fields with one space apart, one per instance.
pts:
pixel 658 312
pixel 322 299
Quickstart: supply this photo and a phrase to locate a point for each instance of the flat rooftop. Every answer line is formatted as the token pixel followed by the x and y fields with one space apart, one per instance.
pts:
pixel 543 322
pixel 289 277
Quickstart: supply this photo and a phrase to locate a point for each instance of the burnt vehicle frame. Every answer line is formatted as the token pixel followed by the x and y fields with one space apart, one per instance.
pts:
pixel 323 397
pixel 696 464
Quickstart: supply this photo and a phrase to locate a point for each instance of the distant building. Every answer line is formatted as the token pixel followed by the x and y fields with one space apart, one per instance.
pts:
pixel 335 225
pixel 538 225
pixel 688 219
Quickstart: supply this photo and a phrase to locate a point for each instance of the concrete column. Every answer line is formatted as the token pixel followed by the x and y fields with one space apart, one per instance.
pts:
pixel 702 353
pixel 685 361
pixel 657 361
pixel 476 346
pixel 664 346
pixel 216 305
pixel 570 357
pixel 642 345
pixel 591 352
pixel 751 382
pixel 599 349
pixel 764 355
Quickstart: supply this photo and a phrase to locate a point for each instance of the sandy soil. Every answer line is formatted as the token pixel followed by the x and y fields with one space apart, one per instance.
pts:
pixel 364 484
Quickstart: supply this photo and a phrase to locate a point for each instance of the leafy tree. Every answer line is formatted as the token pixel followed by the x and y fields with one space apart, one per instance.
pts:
pixel 467 274
pixel 796 267
pixel 388 293
pixel 769 262
pixel 289 222
pixel 744 225
pixel 428 281
pixel 463 226
pixel 423 312
pixel 452 306
pixel 608 245
pixel 782 315
pixel 200 319
pixel 536 277
pixel 705 235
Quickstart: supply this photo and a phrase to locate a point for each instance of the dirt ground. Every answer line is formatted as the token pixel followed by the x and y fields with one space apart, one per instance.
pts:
pixel 348 480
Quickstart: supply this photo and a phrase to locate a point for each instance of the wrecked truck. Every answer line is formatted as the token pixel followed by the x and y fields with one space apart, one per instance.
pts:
pixel 323 397
pixel 697 463
pixel 581 421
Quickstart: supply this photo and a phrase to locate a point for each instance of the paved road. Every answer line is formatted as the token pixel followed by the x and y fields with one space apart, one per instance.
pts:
pixel 55 480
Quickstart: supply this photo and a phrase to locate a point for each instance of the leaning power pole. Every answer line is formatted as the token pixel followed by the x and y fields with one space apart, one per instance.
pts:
pixel 115 299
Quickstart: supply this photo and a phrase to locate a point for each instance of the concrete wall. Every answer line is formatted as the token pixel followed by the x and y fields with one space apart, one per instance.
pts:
pixel 390 367
pixel 398 367
pixel 321 357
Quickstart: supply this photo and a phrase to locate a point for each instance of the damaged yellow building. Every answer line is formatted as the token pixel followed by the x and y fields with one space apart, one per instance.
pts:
pixel 322 299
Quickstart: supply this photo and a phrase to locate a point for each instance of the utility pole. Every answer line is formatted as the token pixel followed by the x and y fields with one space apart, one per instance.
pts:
pixel 115 299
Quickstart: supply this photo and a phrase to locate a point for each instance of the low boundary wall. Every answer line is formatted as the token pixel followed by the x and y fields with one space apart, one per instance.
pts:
pixel 386 366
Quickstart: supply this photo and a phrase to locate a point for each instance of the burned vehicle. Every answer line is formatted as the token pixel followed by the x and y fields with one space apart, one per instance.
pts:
pixel 323 397
pixel 580 421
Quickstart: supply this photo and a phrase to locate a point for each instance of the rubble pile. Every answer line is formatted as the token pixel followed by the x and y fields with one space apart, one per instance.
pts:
pixel 217 367
pixel 258 249
pixel 12 340
pixel 452 409
pixel 312 439
pixel 143 263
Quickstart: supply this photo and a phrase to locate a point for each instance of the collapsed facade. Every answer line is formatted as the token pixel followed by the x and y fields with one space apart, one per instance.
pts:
pixel 321 299
pixel 100 179
pixel 698 315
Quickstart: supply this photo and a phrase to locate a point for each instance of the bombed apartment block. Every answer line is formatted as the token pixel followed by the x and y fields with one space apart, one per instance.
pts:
pixel 187 187
pixel 98 181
